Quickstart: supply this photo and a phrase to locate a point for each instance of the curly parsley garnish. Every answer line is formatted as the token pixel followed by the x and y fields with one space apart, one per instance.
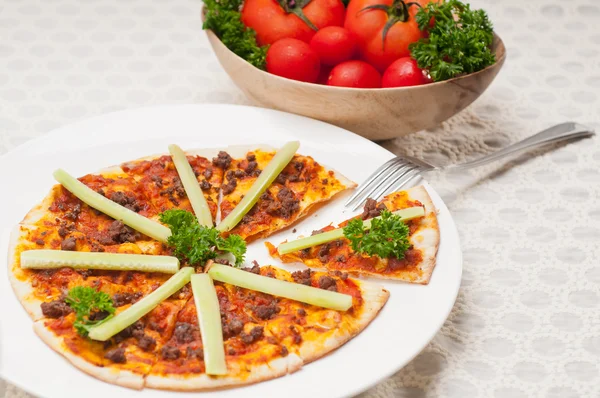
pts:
pixel 196 244
pixel 459 40
pixel 388 236
pixel 223 18
pixel 86 302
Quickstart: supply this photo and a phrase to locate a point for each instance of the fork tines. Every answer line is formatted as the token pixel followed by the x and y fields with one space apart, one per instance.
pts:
pixel 389 177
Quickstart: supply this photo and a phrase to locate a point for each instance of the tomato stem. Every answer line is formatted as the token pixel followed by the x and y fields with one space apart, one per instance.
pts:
pixel 397 12
pixel 295 7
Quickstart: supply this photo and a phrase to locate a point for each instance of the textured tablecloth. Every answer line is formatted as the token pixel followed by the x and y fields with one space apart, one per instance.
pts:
pixel 526 322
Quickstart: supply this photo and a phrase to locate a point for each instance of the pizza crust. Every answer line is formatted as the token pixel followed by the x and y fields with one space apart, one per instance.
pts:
pixel 427 238
pixel 119 377
pixel 374 298
pixel 271 370
pixel 23 289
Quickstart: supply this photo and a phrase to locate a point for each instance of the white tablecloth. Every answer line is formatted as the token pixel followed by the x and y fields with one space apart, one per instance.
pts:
pixel 526 322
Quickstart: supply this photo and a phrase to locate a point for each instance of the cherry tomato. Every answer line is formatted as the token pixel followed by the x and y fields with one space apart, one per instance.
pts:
pixel 403 72
pixel 278 19
pixel 334 45
pixel 324 74
pixel 385 31
pixel 294 59
pixel 357 74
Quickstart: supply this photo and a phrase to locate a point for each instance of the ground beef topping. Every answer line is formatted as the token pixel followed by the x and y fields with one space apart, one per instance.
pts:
pixel 117 355
pixel 208 173
pixel 120 233
pixel 98 316
pixel 302 276
pixel 255 334
pixel 232 327
pixel 372 209
pixel 169 352
pixel 74 213
pixel 121 299
pixel 323 254
pixel 146 343
pixel 342 275
pixel 157 181
pixel 327 283
pixel 69 244
pixel 229 187
pixel 135 330
pixel 183 332
pixel 223 160
pixel 125 201
pixel 255 269
pixel 251 167
pixel 194 353
pixel 284 351
pixel 205 185
pixel 55 309
pixel 266 311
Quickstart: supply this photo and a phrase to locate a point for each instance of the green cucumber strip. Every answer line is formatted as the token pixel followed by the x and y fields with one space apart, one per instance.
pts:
pixel 209 319
pixel 295 291
pixel 94 199
pixel 49 259
pixel 324 237
pixel 262 183
pixel 106 330
pixel 192 188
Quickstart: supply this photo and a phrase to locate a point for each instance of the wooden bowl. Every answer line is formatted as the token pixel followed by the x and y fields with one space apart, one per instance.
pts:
pixel 376 114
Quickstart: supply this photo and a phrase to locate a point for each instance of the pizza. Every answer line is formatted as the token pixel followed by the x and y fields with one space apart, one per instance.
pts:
pixel 265 336
pixel 418 262
pixel 303 184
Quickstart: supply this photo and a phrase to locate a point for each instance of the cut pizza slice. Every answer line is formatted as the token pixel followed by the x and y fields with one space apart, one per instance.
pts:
pixel 127 357
pixel 418 262
pixel 160 183
pixel 311 331
pixel 251 353
pixel 265 336
pixel 298 188
pixel 35 287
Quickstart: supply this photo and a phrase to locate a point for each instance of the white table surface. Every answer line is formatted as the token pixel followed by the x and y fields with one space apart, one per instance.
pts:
pixel 527 319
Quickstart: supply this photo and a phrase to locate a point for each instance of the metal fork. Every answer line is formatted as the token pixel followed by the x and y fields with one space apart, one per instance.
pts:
pixel 397 172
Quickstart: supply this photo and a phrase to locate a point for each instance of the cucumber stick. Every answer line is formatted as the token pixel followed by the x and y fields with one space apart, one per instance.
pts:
pixel 209 319
pixel 106 330
pixel 48 259
pixel 276 287
pixel 192 188
pixel 262 183
pixel 324 237
pixel 94 199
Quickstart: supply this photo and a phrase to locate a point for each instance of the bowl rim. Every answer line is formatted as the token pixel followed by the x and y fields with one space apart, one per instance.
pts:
pixel 498 64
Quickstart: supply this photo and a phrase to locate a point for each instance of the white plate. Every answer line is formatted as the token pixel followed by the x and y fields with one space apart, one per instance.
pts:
pixel 412 316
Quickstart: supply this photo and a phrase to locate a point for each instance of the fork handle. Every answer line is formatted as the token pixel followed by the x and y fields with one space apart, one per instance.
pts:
pixel 558 133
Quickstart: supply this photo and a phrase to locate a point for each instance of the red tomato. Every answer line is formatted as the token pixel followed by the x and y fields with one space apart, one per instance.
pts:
pixel 403 72
pixel 368 25
pixel 272 22
pixel 357 74
pixel 293 59
pixel 334 45
pixel 324 74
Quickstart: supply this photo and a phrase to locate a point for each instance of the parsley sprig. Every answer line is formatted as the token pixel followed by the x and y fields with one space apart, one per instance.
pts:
pixel 223 18
pixel 459 40
pixel 196 244
pixel 86 301
pixel 388 236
